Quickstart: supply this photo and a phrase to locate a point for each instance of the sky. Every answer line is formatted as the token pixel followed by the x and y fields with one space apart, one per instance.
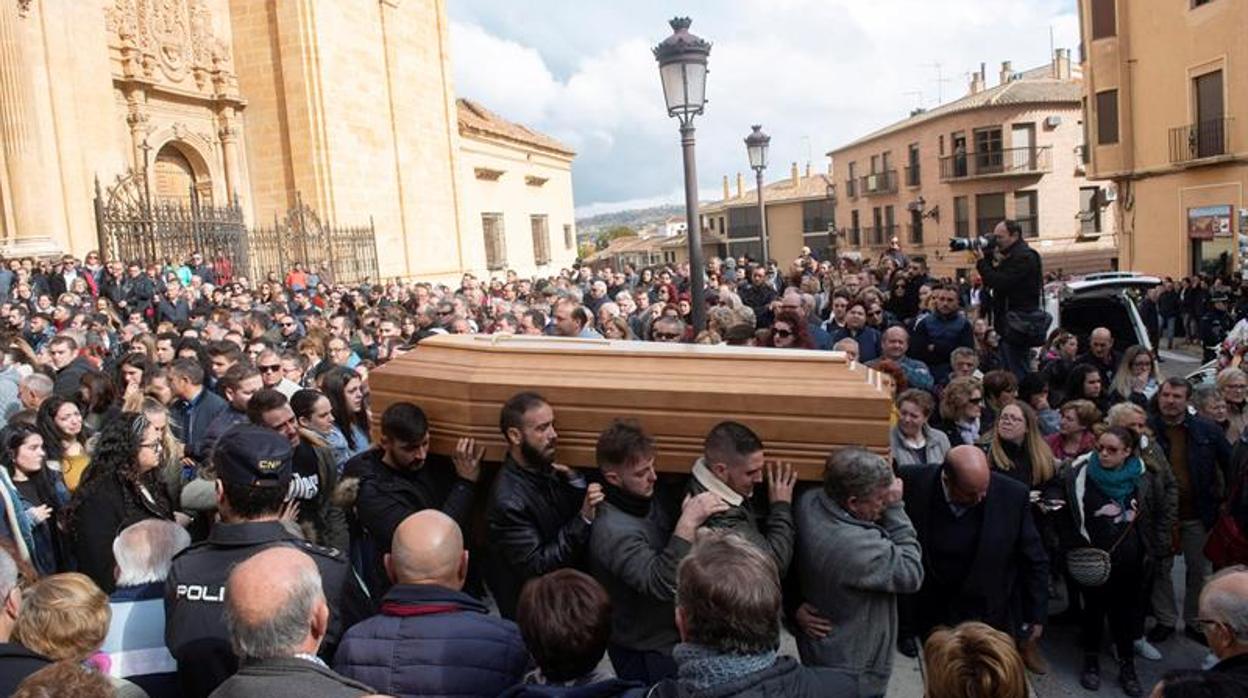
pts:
pixel 815 73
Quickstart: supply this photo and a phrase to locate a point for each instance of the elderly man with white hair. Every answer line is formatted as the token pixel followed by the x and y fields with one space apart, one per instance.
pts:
pixel 1224 620
pixel 136 635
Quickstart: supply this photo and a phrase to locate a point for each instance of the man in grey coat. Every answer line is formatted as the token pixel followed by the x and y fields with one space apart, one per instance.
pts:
pixel 733 462
pixel 856 551
pixel 271 598
pixel 634 551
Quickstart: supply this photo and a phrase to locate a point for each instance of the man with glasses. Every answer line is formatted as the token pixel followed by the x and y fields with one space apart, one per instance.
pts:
pixel 670 330
pixel 982 554
pixel 1224 621
pixel 269 363
pixel 340 353
pixel 290 331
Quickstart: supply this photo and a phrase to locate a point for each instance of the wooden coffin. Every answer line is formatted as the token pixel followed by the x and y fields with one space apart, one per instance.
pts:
pixel 803 404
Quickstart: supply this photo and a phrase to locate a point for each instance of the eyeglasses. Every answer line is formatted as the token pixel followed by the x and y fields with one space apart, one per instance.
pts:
pixel 976 399
pixel 875 313
pixel 156 446
pixel 783 334
pixel 270 368
pixel 666 337
pixel 288 324
pixel 1206 622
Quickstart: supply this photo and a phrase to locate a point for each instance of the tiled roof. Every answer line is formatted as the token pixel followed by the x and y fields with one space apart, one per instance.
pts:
pixel 476 119
pixel 812 187
pixel 1033 87
pixel 654 243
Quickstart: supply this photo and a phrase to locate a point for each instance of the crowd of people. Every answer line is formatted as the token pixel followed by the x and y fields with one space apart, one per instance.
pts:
pixel 198 499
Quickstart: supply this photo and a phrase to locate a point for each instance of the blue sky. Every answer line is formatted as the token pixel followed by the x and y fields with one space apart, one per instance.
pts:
pixel 814 73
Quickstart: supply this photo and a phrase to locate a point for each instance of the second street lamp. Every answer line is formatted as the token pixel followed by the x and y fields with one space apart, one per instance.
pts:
pixel 682 68
pixel 756 147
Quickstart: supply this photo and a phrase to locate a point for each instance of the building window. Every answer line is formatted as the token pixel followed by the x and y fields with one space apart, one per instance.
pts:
pixel 961 217
pixel 743 223
pixel 1107 117
pixel 541 240
pixel 1026 212
pixel 916 227
pixel 989 211
pixel 1104 19
pixel 569 240
pixel 851 187
pixel 912 169
pixel 940 144
pixel 1198 3
pixel 988 150
pixel 1089 210
pixel 1084 150
pixel 855 229
pixel 1211 127
pixel 890 225
pixel 495 241
pixel 816 215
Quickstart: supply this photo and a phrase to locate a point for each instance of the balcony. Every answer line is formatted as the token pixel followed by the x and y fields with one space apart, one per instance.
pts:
pixel 1010 162
pixel 879 183
pixel 878 236
pixel 913 175
pixel 1206 139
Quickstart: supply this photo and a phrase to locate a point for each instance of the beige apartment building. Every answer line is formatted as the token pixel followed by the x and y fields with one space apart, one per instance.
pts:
pixel 799 212
pixel 1013 150
pixel 517 195
pixel 1166 97
pixel 344 106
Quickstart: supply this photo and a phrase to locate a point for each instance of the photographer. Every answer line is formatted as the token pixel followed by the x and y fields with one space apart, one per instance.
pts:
pixel 1012 272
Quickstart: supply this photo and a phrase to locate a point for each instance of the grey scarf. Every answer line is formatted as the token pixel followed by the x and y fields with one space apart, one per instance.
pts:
pixel 702 667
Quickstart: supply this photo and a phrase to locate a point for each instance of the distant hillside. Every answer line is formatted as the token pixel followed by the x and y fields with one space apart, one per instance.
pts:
pixel 637 219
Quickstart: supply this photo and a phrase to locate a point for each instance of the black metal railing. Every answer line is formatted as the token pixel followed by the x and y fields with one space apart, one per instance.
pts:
pixel 1008 162
pixel 913 175
pixel 878 236
pixel 131 226
pixel 879 183
pixel 1205 139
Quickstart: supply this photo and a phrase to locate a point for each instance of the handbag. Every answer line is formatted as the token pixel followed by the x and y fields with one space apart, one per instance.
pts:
pixel 1027 328
pixel 1090 566
pixel 1226 544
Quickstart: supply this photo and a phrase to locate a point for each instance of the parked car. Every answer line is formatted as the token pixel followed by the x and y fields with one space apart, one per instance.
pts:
pixel 1108 299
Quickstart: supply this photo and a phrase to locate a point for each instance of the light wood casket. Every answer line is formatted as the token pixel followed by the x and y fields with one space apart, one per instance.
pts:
pixel 803 404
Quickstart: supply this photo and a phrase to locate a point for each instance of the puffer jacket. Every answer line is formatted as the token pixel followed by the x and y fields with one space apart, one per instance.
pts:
pixel 433 641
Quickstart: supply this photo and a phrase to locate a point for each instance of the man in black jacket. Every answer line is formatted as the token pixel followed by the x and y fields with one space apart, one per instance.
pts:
pixel 396 481
pixel 196 406
pixel 539 512
pixel 70 367
pixel 758 294
pixel 1014 276
pixel 634 550
pixel 982 555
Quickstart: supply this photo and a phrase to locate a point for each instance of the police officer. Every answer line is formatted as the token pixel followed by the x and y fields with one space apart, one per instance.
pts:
pixel 254 471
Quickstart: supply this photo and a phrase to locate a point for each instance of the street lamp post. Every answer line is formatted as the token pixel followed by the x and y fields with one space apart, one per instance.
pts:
pixel 682 68
pixel 756 146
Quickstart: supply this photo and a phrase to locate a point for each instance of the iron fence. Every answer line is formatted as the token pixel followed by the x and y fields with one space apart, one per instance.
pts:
pixel 133 227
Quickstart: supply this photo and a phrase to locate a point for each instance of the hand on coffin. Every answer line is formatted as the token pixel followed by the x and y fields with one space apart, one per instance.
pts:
pixel 593 497
pixel 467 459
pixel 780 480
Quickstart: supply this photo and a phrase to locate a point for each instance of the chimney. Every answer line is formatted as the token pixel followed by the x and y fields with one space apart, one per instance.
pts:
pixel 1007 72
pixel 977 83
pixel 1061 64
pixel 795 175
pixel 726 194
pixel 808 169
pixel 740 185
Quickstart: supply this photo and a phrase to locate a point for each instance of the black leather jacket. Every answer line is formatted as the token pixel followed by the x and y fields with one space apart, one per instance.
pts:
pixel 535 527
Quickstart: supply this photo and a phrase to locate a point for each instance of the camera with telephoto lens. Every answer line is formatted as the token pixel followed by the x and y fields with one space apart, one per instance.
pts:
pixel 983 242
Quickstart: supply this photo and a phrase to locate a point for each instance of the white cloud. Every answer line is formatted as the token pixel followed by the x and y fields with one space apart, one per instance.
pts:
pixel 815 73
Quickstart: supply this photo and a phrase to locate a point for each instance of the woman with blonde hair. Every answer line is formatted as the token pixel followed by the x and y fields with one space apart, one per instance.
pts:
pixel 1233 384
pixel 1017 449
pixel 65 617
pixel 973 660
pixel 961 405
pixel 1137 378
